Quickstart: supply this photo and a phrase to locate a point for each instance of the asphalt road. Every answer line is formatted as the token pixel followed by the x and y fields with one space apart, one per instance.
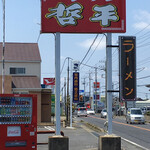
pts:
pixel 137 133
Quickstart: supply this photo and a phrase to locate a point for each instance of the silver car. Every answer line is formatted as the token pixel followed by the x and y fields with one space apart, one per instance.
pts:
pixel 134 115
pixel 104 113
pixel 82 111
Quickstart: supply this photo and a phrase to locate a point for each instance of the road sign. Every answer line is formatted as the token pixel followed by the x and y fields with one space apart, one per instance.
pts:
pixel 96 85
pixel 130 104
pixel 81 91
pixel 76 66
pixel 83 16
pixel 76 87
pixel 127 45
pixel 49 81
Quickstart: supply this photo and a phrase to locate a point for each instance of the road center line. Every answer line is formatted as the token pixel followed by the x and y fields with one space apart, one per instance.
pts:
pixel 124 124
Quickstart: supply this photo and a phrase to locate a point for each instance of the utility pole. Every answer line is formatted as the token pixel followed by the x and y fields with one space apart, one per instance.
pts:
pixel 65 97
pixel 106 84
pixel 95 89
pixel 3 58
pixel 68 103
pixel 90 89
pixel 84 91
pixel 71 94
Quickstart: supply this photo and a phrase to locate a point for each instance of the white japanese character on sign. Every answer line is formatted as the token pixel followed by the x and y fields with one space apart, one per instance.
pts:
pixel 105 14
pixel 66 15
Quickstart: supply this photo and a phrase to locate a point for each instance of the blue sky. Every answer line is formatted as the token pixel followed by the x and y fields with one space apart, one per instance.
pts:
pixel 23 19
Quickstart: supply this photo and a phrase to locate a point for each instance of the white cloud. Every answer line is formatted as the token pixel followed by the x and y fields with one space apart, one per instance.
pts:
pixel 142 15
pixel 141 25
pixel 142 18
pixel 98 45
pixel 62 58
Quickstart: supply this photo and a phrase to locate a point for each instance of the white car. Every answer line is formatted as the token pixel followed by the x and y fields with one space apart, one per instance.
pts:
pixel 90 111
pixel 104 113
pixel 134 115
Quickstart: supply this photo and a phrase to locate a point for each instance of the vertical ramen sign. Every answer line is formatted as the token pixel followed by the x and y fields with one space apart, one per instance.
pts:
pixel 127 46
pixel 83 16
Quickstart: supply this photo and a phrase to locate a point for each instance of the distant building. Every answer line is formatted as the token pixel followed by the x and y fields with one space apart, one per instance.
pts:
pixel 142 103
pixel 23 75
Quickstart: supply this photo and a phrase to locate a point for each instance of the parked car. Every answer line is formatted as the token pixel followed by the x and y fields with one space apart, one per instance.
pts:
pixel 90 111
pixel 103 113
pixel 134 115
pixel 82 111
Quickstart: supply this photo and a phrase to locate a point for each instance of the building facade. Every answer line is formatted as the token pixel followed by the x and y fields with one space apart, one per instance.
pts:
pixel 22 73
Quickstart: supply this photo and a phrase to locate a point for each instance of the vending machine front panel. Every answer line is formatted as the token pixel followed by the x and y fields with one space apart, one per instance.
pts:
pixel 18 122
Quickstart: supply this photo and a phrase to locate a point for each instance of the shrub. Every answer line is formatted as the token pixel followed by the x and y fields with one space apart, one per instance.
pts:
pixel 148 113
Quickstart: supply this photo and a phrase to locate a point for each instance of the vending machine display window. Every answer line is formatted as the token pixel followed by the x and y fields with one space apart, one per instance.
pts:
pixel 15 110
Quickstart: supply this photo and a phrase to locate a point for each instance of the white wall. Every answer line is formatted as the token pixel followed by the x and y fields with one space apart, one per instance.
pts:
pixel 32 68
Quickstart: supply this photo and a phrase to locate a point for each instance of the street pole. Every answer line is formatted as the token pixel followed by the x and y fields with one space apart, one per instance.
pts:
pixel 57 82
pixel 68 93
pixel 109 80
pixel 84 91
pixel 71 92
pixel 65 97
pixel 96 89
pixel 3 59
pixel 90 90
pixel 106 84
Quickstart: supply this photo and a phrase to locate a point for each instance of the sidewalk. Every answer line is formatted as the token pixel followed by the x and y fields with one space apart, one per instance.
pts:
pixel 81 138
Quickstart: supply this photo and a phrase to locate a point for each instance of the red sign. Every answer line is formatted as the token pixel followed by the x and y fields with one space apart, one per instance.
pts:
pixel 83 16
pixel 49 81
pixel 96 85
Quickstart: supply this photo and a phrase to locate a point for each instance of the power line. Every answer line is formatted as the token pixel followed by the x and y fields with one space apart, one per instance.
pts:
pixel 95 48
pixel 145 35
pixel 143 45
pixel 89 48
pixel 142 29
pixel 143 77
pixel 64 63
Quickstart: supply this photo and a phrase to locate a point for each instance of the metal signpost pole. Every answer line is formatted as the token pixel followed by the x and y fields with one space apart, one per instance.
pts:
pixel 57 82
pixel 109 80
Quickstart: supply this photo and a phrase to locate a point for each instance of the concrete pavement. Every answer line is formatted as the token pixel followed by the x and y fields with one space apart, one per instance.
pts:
pixel 81 137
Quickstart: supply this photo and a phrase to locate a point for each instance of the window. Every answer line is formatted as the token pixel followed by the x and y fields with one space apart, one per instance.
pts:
pixel 20 92
pixel 136 112
pixel 17 70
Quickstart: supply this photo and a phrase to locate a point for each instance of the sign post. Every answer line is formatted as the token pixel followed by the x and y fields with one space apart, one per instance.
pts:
pixel 109 80
pixel 57 82
pixel 70 16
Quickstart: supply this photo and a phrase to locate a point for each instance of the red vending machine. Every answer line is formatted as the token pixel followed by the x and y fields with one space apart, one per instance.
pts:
pixel 18 122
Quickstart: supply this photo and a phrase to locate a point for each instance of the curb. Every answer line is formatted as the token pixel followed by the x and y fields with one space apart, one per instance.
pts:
pixel 143 148
pixel 93 127
pixel 97 129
